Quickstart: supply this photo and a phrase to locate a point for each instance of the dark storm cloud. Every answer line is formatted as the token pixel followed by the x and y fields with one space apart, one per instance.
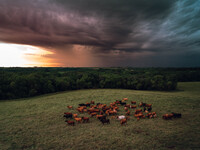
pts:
pixel 115 25
pixel 119 8
pixel 89 22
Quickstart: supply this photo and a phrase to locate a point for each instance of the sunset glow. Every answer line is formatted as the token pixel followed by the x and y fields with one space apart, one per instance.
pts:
pixel 15 55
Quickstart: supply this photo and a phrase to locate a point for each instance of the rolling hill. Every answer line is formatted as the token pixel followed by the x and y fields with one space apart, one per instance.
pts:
pixel 38 123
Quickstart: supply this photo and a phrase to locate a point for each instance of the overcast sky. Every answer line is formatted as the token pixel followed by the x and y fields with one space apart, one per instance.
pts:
pixel 138 33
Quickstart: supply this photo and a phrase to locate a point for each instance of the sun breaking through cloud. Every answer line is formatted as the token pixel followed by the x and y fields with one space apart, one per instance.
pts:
pixel 15 55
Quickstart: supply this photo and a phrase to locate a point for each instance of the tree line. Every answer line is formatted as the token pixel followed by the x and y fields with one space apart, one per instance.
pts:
pixel 28 82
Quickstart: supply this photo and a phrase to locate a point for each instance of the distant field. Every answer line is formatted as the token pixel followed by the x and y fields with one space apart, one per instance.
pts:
pixel 37 123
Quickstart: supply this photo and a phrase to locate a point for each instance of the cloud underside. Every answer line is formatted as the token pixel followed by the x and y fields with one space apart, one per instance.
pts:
pixel 105 29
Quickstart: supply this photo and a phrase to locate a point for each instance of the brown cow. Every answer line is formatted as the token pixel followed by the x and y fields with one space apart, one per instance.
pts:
pixel 70 107
pixel 128 112
pixel 75 115
pixel 133 106
pixel 133 102
pixel 125 99
pixel 72 123
pixel 123 121
pixel 99 116
pixel 126 108
pixel 167 116
pixel 85 119
pixel 93 114
pixel 148 105
pixel 138 111
pixel 78 119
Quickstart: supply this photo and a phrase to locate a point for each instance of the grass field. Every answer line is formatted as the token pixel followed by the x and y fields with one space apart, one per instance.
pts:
pixel 37 123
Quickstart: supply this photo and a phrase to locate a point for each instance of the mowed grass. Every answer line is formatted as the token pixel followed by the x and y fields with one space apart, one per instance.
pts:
pixel 38 123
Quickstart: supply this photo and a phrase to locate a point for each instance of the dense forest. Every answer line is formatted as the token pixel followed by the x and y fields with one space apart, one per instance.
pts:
pixel 27 82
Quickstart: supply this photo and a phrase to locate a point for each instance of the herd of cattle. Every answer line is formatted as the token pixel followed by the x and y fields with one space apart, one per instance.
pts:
pixel 103 111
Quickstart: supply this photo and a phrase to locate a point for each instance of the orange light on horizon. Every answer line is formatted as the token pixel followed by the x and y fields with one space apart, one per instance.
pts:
pixel 16 55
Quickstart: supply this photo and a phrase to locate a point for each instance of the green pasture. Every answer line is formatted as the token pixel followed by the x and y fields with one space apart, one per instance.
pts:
pixel 38 123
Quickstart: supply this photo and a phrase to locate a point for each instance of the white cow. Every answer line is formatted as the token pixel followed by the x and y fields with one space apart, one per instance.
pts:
pixel 121 117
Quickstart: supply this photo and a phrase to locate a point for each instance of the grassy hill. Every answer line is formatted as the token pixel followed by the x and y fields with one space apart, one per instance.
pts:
pixel 37 123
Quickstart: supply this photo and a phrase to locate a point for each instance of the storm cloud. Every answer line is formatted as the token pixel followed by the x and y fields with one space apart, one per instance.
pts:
pixel 115 32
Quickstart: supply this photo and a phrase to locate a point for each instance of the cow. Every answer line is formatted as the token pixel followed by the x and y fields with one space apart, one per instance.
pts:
pixel 72 123
pixel 85 119
pixel 176 115
pixel 121 117
pixel 123 121
pixel 167 116
pixel 105 121
pixel 67 115
pixel 133 102
pixel 70 107
pixel 78 119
